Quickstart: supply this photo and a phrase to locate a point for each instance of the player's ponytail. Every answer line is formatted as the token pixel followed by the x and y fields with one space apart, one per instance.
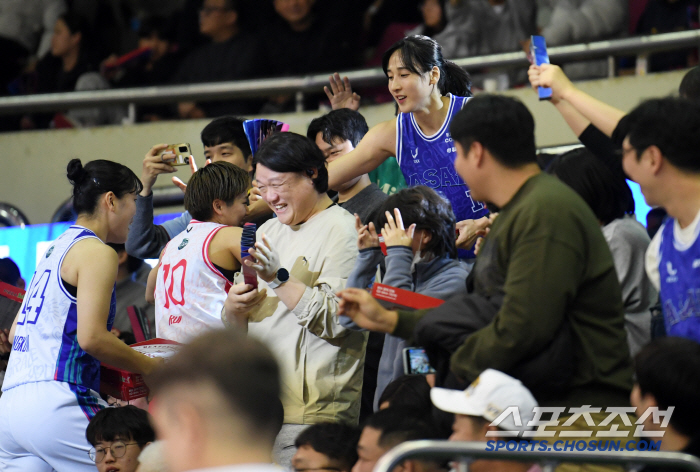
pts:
pixel 420 54
pixel 97 178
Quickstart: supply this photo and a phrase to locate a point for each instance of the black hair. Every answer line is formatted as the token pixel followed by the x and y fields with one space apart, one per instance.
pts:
pixel 97 178
pixel 227 129
pixel 9 272
pixel 291 152
pixel 420 54
pixel 126 423
pixel 429 211
pixel 239 368
pixel 408 391
pixel 690 85
pixel 337 441
pixel 607 195
pixel 503 125
pixel 161 26
pixel 671 124
pixel 76 23
pixel 398 425
pixel 667 368
pixel 132 263
pixel 346 124
pixel 216 181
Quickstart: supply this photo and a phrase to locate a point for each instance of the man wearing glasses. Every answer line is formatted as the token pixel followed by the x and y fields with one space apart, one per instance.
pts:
pixel 117 436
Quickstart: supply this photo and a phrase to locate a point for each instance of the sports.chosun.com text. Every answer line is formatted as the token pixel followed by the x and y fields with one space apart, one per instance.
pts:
pixel 572 445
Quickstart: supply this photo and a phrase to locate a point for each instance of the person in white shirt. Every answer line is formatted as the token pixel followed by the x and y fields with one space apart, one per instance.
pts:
pixel 304 256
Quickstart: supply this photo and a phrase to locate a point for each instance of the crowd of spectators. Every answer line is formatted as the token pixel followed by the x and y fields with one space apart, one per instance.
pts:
pixel 66 45
pixel 553 307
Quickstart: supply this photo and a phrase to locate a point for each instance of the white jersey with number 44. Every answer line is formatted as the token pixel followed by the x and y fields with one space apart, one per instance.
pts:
pixel 190 290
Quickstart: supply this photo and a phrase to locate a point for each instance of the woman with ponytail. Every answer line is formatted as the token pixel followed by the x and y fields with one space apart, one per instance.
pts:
pixel 429 91
pixel 61 333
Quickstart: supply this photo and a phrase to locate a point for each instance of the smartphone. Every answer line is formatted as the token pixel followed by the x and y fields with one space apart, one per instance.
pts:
pixel 415 361
pixel 538 56
pixel 177 154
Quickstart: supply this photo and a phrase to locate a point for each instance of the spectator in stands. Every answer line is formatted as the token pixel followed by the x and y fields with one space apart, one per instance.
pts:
pixel 659 153
pixel 158 35
pixel 667 377
pixel 524 301
pixel 480 27
pixel 564 22
pixel 9 273
pixel 581 21
pixel 26 28
pixel 129 292
pixel 300 42
pixel 336 134
pixel 628 240
pixel 117 436
pixel 407 391
pixel 326 446
pixel 434 20
pixel 668 16
pixel 218 404
pixel 71 66
pixel 387 429
pixel 223 140
pixel 302 258
pixel 233 54
pixel 418 227
pixel 474 409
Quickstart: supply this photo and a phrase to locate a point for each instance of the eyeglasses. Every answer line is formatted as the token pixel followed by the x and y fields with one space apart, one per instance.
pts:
pixel 118 449
pixel 209 10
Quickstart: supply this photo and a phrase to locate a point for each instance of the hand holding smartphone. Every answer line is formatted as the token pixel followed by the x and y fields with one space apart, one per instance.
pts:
pixel 177 154
pixel 415 362
pixel 538 56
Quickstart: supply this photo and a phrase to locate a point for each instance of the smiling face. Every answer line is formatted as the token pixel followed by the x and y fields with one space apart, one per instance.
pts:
pixel 233 214
pixel 640 169
pixel 230 153
pixel 290 195
pixel 410 90
pixel 126 463
pixel 120 216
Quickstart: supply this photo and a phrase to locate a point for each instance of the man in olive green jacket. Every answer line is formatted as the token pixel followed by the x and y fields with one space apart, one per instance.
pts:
pixel 544 271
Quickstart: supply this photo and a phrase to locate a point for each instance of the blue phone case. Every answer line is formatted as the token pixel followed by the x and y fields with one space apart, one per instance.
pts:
pixel 539 56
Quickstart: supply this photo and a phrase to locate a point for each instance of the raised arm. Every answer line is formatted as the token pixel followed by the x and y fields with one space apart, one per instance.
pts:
pixel 96 266
pixel 378 144
pixel 600 114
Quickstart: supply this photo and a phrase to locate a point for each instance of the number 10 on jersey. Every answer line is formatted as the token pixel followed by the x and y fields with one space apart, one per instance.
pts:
pixel 174 279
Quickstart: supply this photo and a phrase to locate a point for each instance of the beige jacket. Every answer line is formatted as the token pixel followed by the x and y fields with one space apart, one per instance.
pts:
pixel 321 362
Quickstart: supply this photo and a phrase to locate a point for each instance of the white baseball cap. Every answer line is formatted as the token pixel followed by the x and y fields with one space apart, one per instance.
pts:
pixel 489 396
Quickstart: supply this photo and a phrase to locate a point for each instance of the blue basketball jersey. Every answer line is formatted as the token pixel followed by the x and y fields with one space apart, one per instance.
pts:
pixel 429 160
pixel 679 273
pixel 45 346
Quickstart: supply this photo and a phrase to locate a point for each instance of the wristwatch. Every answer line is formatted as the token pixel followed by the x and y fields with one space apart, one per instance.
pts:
pixel 281 277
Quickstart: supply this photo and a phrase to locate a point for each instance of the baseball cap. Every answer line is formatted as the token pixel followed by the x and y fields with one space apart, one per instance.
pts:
pixel 489 396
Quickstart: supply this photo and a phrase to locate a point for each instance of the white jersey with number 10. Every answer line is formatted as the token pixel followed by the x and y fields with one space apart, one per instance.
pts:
pixel 190 290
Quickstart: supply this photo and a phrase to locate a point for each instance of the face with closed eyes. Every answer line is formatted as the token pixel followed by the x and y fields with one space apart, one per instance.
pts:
pixel 290 195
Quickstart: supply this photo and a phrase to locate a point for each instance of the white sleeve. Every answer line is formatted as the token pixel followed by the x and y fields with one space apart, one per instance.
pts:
pixel 651 260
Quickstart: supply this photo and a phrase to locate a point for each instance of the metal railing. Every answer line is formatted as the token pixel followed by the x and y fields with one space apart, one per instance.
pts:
pixel 466 452
pixel 639 46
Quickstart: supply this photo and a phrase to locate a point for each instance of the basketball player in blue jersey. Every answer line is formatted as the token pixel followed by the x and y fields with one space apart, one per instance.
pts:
pixel 61 333
pixel 429 91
